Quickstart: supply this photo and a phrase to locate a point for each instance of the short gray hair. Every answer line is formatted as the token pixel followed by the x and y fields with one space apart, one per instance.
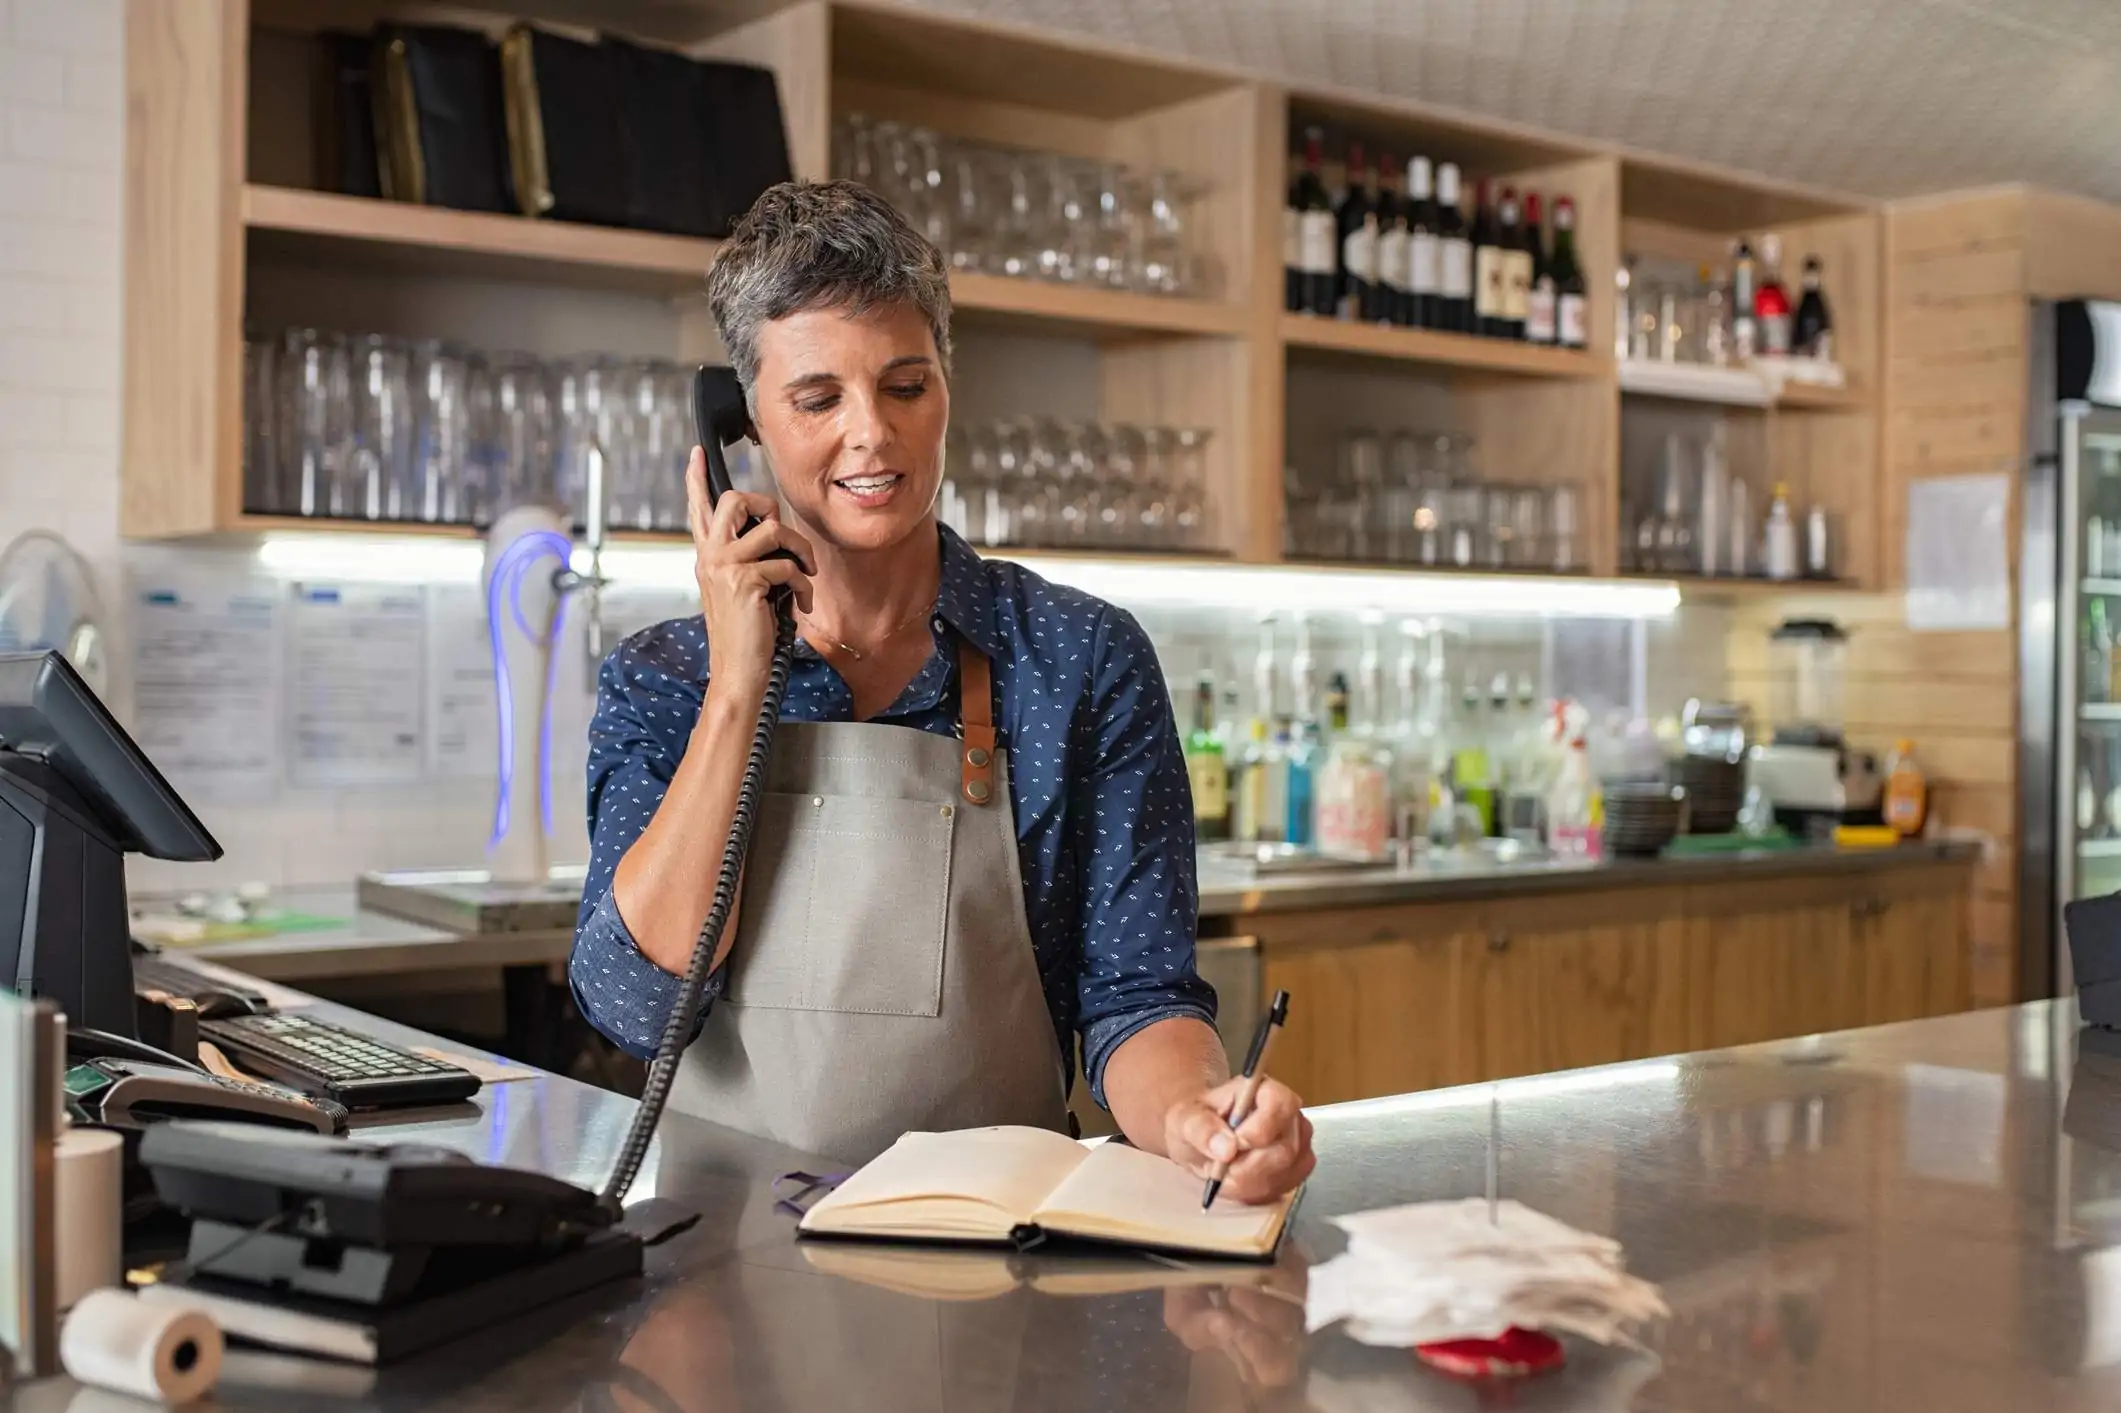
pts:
pixel 812 245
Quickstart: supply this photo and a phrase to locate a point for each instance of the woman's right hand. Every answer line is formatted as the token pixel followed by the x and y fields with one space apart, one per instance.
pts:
pixel 735 577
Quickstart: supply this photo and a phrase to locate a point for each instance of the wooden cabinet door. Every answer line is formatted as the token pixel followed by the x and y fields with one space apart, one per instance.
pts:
pixel 1541 995
pixel 1912 945
pixel 1374 1017
pixel 1771 963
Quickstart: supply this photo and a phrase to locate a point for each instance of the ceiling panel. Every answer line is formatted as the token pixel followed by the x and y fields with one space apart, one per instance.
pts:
pixel 1875 98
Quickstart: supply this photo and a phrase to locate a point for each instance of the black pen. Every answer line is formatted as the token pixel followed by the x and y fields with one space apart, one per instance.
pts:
pixel 1255 1075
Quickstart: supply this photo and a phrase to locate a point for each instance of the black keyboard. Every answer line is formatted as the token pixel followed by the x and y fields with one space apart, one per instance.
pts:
pixel 344 1065
pixel 217 999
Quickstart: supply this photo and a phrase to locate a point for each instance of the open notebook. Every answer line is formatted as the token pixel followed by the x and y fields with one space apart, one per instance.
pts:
pixel 1018 1184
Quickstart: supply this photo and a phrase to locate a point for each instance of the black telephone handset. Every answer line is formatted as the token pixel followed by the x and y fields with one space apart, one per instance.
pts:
pixel 719 413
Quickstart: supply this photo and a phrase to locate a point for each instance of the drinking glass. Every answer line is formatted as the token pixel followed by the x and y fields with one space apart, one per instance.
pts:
pixel 524 435
pixel 1465 525
pixel 261 458
pixel 974 228
pixel 1192 524
pixel 441 377
pixel 377 479
pixel 483 472
pixel 1565 528
pixel 316 420
pixel 590 410
pixel 1528 529
pixel 1154 471
pixel 675 442
pixel 1019 476
pixel 1126 522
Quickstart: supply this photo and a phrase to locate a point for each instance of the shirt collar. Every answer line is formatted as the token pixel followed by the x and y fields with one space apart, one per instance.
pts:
pixel 964 598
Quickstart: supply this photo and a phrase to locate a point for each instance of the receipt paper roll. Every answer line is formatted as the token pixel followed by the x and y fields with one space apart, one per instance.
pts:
pixel 170 1353
pixel 90 1211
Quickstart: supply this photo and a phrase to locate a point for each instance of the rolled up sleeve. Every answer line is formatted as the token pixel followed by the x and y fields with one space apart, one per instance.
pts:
pixel 1140 898
pixel 627 997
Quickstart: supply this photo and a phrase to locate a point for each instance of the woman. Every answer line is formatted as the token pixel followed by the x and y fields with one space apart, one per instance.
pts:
pixel 980 841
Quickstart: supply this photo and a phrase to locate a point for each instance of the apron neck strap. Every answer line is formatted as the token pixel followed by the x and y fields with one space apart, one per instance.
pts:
pixel 975 696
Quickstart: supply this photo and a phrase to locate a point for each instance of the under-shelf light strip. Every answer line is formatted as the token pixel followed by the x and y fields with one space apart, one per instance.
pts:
pixel 1243 588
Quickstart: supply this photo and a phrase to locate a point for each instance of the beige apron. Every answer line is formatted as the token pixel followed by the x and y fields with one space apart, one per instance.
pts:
pixel 883 977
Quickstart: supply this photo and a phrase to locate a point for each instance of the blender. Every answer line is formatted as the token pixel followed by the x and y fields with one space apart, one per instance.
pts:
pixel 1808 772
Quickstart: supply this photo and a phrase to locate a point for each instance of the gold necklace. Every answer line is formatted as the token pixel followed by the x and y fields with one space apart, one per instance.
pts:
pixel 856 653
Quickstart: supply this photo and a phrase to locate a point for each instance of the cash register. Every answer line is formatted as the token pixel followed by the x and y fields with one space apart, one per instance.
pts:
pixel 289 1229
pixel 76 796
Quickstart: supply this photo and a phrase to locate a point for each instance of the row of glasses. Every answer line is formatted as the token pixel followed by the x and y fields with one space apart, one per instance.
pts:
pixel 1060 483
pixel 1669 314
pixel 1032 215
pixel 367 427
pixel 1415 498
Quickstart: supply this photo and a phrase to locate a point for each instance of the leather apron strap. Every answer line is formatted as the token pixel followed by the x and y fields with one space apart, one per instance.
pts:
pixel 975 708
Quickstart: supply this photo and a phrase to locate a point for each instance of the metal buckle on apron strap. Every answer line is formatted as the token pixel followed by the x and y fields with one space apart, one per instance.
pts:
pixel 975 679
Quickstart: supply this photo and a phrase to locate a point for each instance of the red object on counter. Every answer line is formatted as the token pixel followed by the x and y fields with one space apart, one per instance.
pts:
pixel 1516 1354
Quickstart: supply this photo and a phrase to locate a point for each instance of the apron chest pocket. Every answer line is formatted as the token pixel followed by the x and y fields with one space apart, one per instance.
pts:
pixel 844 906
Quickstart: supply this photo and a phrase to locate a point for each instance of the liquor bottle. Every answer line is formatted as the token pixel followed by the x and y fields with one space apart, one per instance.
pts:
pixel 1491 269
pixel 1207 768
pixel 1315 237
pixel 1306 743
pixel 1516 262
pixel 1354 785
pixel 1542 314
pixel 1424 277
pixel 1249 820
pixel 1265 803
pixel 1356 225
pixel 1454 257
pixel 1472 777
pixel 1779 538
pixel 1413 740
pixel 1745 330
pixel 1771 302
pixel 1813 332
pixel 1571 311
pixel 1392 293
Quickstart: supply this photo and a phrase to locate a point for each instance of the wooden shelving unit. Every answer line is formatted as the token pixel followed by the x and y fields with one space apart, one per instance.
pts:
pixel 321 227
pixel 1448 352
pixel 224 225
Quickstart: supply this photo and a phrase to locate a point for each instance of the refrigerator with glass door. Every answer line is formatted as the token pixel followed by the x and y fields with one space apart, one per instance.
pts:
pixel 2069 626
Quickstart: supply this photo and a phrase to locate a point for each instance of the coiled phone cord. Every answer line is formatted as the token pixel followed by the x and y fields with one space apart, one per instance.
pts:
pixel 677 1030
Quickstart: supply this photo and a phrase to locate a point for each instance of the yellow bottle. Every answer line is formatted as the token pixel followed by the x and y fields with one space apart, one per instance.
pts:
pixel 1907 792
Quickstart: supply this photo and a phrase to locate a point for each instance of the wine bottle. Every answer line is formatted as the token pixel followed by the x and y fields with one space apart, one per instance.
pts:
pixel 1424 275
pixel 1540 311
pixel 1490 268
pixel 1356 222
pixel 1814 330
pixel 1454 256
pixel 1771 302
pixel 1314 229
pixel 1745 326
pixel 1510 234
pixel 1392 294
pixel 1571 312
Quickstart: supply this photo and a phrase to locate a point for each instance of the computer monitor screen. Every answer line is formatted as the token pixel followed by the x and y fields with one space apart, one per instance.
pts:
pixel 49 713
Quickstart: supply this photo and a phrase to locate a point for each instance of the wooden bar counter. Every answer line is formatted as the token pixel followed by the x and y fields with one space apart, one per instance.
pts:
pixel 1425 977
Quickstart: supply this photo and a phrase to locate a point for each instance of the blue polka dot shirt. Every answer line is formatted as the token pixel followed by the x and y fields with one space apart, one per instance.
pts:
pixel 1104 812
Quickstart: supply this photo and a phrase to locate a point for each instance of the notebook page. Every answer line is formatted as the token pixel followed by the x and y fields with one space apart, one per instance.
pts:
pixel 1010 1169
pixel 1128 1194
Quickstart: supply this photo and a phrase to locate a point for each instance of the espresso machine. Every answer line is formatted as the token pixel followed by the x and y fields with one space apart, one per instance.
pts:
pixel 1810 774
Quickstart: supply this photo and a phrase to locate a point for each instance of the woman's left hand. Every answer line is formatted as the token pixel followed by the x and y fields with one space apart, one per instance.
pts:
pixel 1270 1152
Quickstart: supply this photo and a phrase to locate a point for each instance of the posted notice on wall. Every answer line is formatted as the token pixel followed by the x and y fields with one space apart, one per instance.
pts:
pixel 1958 553
pixel 356 684
pixel 206 688
pixel 462 732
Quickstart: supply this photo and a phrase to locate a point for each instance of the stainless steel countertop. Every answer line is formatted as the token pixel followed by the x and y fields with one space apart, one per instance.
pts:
pixel 1912 1217
pixel 1226 890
